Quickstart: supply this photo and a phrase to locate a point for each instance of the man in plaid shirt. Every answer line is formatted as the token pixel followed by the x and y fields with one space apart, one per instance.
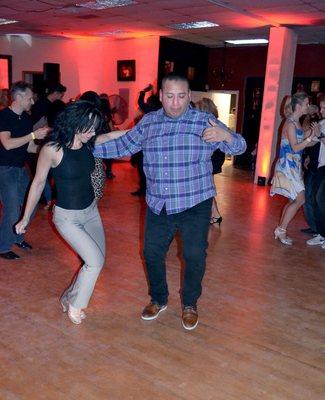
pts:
pixel 177 143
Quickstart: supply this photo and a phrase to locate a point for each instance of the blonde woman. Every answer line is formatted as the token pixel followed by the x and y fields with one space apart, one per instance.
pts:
pixel 288 179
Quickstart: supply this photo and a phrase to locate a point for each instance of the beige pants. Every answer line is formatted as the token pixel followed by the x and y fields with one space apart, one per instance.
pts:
pixel 83 230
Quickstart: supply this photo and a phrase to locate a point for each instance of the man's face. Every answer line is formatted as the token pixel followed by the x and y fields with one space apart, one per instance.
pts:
pixel 322 109
pixel 25 99
pixel 175 97
pixel 58 95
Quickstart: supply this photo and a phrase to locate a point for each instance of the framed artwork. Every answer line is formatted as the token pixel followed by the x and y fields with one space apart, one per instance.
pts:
pixel 126 70
pixel 169 67
pixel 315 86
pixel 5 71
pixel 190 73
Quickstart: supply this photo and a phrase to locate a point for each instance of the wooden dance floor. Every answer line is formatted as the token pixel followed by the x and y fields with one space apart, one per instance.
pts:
pixel 261 316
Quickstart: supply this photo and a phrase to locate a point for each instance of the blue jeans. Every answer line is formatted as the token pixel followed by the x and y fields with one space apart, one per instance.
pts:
pixel 13 186
pixel 308 206
pixel 193 226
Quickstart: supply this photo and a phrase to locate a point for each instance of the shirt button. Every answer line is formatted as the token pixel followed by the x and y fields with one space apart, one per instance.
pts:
pixel 165 158
pixel 166 188
pixel 165 173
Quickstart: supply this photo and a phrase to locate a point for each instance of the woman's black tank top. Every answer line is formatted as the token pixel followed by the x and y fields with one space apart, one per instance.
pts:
pixel 72 179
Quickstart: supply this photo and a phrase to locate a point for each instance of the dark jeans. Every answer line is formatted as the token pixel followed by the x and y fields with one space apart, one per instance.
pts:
pixel 193 225
pixel 13 185
pixel 319 200
pixel 308 206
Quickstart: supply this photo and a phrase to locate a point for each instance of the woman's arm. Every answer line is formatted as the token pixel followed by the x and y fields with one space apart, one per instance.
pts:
pixel 105 137
pixel 44 163
pixel 292 137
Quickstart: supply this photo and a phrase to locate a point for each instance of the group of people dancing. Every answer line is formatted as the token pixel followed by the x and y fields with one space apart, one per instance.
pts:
pixel 288 179
pixel 177 143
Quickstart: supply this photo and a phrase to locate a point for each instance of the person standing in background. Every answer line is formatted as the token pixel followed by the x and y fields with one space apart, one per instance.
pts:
pixel 16 140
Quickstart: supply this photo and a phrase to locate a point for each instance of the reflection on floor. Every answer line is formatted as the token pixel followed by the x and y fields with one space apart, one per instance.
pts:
pixel 261 312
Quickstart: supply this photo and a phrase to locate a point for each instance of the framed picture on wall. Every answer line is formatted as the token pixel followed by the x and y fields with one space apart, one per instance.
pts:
pixel 190 73
pixel 126 70
pixel 315 86
pixel 5 71
pixel 169 67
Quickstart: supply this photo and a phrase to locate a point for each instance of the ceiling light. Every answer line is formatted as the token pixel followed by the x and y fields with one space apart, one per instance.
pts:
pixel 113 33
pixel 102 4
pixel 248 41
pixel 193 25
pixel 4 21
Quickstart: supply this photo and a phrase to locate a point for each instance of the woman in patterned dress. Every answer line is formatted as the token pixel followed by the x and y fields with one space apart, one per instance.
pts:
pixel 288 180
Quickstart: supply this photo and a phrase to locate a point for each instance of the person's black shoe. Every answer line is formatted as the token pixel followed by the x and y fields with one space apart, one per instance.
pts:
pixel 10 255
pixel 110 175
pixel 138 193
pixel 24 245
pixel 308 231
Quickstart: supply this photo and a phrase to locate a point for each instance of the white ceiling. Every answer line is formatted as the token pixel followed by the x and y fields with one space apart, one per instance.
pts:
pixel 238 19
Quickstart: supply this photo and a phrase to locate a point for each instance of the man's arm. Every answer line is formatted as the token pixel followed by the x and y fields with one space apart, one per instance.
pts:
pixel 141 103
pixel 223 138
pixel 128 144
pixel 10 143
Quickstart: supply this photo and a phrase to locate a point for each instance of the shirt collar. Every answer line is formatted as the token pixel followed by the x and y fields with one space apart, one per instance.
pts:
pixel 184 115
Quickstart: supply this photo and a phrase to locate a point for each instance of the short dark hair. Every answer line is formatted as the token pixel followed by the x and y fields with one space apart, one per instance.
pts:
pixel 56 87
pixel 92 97
pixel 19 87
pixel 174 77
pixel 79 116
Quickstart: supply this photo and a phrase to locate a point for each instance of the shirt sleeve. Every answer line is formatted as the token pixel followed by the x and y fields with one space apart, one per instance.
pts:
pixel 128 144
pixel 235 147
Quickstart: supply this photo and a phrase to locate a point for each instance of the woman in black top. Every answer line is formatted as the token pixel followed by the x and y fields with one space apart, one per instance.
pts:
pixel 68 154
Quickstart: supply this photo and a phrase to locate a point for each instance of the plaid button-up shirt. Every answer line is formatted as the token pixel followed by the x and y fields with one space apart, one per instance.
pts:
pixel 176 160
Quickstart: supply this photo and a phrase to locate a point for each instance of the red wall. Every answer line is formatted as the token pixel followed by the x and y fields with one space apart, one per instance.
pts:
pixel 246 62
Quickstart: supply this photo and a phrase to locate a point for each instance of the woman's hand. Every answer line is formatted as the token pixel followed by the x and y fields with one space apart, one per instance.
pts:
pixel 21 226
pixel 315 130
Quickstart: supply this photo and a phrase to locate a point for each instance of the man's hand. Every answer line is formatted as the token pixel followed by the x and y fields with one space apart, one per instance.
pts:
pixel 40 133
pixel 216 133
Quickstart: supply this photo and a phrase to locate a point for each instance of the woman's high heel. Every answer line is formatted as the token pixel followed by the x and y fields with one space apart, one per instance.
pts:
pixel 73 313
pixel 215 220
pixel 281 234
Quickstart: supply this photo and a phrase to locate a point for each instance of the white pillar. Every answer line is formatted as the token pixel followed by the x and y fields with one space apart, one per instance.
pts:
pixel 278 83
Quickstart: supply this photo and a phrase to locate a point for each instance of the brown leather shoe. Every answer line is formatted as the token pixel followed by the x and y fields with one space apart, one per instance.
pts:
pixel 190 318
pixel 152 310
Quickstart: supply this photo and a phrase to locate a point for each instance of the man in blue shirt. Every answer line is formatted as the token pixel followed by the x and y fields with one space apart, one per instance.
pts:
pixel 177 143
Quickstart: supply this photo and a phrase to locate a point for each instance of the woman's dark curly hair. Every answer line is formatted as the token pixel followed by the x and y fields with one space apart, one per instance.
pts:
pixel 77 117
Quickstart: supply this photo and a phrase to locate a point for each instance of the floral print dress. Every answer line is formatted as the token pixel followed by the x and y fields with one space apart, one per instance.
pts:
pixel 288 179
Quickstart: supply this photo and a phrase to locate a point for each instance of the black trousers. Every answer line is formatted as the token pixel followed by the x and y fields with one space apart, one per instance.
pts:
pixel 319 200
pixel 193 226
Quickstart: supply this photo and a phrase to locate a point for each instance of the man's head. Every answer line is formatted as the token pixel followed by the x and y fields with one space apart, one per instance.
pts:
pixel 22 95
pixel 322 107
pixel 56 92
pixel 175 95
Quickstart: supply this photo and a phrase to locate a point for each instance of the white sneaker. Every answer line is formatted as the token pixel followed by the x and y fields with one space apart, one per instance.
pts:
pixel 323 246
pixel 316 240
